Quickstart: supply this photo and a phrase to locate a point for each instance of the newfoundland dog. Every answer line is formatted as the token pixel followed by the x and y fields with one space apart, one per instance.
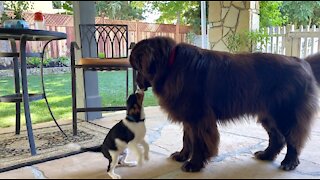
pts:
pixel 201 88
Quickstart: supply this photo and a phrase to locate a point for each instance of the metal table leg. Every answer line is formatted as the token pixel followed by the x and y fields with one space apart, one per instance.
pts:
pixel 25 94
pixel 43 88
pixel 16 84
pixel 74 46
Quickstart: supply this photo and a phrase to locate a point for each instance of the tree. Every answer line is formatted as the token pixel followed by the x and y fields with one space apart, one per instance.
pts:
pixel 302 12
pixel 124 10
pixel 65 5
pixel 188 12
pixel 270 14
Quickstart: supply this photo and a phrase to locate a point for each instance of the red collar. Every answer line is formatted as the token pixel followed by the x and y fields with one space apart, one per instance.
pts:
pixel 172 56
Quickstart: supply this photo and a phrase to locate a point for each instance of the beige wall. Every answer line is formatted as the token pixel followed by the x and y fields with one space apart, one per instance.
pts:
pixel 229 17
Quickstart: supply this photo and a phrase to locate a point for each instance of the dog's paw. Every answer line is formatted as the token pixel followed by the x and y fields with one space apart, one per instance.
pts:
pixel 114 176
pixel 262 155
pixel 127 164
pixel 289 164
pixel 146 156
pixel 177 156
pixel 140 162
pixel 191 167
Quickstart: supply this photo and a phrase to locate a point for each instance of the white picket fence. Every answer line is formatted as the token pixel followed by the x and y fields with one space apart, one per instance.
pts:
pixel 289 41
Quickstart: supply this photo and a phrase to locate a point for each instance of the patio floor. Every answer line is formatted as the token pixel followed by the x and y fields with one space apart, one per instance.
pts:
pixel 235 160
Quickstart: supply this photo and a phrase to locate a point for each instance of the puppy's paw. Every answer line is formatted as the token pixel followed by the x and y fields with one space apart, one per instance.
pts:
pixel 140 162
pixel 114 176
pixel 127 164
pixel 177 156
pixel 191 167
pixel 289 164
pixel 263 155
pixel 146 156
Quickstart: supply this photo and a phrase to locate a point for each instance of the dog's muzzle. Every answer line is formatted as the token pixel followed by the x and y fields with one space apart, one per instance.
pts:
pixel 142 82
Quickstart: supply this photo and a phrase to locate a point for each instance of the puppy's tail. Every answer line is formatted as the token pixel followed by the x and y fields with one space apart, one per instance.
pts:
pixel 99 149
pixel 92 149
pixel 314 61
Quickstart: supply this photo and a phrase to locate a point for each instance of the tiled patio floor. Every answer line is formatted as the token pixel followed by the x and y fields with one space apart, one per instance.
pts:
pixel 235 160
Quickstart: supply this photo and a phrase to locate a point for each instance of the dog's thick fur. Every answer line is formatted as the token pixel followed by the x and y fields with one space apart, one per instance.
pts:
pixel 201 88
pixel 128 133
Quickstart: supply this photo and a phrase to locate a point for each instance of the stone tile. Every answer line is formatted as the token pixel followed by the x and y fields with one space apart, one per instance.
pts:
pixel 215 15
pixel 79 166
pixel 21 173
pixel 232 17
pixel 238 142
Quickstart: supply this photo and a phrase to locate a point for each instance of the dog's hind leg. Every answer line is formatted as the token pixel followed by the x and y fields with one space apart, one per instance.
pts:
pixel 295 127
pixel 123 160
pixel 112 164
pixel 186 151
pixel 295 141
pixel 276 140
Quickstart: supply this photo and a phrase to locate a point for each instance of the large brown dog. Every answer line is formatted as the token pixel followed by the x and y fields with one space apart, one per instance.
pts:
pixel 200 88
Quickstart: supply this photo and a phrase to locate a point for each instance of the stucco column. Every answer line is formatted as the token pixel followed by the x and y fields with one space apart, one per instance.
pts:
pixel 4 45
pixel 230 17
pixel 85 13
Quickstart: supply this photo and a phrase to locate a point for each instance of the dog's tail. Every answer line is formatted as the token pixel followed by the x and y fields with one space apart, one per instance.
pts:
pixel 92 149
pixel 314 61
pixel 99 149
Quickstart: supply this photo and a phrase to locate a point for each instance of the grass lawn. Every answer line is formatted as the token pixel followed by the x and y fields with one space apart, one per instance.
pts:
pixel 58 89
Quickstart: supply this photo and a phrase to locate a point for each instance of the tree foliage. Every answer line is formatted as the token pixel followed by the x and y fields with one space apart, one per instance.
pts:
pixel 277 13
pixel 123 10
pixel 188 12
pixel 302 12
pixel 270 14
pixel 67 6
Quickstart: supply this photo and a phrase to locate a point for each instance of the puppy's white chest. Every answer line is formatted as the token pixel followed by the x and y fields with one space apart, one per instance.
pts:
pixel 138 129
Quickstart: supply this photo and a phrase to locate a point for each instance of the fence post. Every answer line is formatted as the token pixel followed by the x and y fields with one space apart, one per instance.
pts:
pixel 137 32
pixel 282 34
pixel 305 43
pixel 314 29
pixel 289 40
pixel 177 37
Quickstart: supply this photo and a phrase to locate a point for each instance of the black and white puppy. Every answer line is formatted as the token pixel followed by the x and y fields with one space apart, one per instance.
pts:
pixel 128 133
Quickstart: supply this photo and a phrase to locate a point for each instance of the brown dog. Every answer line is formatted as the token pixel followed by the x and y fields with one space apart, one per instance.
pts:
pixel 200 88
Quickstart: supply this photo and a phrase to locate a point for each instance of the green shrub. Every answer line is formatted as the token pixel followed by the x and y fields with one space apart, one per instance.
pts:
pixel 50 62
pixel 101 55
pixel 251 40
pixel 33 61
pixel 64 60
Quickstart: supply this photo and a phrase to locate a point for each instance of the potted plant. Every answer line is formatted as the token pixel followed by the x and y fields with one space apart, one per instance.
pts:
pixel 17 21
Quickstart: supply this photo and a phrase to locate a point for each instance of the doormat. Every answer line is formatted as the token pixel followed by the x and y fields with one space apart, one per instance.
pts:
pixel 50 144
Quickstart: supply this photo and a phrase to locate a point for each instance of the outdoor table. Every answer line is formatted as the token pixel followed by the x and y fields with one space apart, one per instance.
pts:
pixel 25 35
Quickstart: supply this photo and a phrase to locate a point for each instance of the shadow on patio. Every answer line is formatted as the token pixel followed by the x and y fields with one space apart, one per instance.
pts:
pixel 235 160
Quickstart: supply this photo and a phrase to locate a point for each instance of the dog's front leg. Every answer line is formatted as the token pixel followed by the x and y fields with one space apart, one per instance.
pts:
pixel 146 149
pixel 204 145
pixel 186 151
pixel 134 147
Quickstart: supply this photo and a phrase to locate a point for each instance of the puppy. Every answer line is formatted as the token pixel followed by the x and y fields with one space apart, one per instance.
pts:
pixel 128 133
